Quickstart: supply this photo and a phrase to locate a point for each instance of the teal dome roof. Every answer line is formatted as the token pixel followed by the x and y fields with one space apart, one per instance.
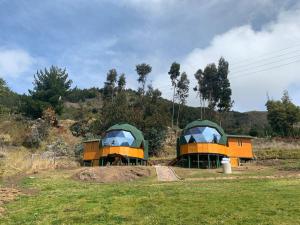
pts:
pixel 138 135
pixel 205 123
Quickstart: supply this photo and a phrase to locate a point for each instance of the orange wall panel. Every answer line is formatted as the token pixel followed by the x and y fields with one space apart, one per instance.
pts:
pixel 91 150
pixel 243 151
pixel 203 148
pixel 233 150
pixel 122 150
pixel 235 162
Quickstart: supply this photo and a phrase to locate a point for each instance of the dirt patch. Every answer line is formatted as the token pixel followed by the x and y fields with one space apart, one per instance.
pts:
pixel 113 174
pixel 7 195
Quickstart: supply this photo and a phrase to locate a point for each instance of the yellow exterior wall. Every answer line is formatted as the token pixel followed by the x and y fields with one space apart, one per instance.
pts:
pixel 235 162
pixel 93 152
pixel 203 148
pixel 234 151
pixel 122 150
pixel 244 151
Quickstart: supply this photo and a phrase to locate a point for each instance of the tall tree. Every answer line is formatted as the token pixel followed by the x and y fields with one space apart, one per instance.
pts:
pixel 50 86
pixel 174 74
pixel 182 91
pixel 121 82
pixel 210 85
pixel 199 77
pixel 143 70
pixel 214 86
pixel 110 84
pixel 224 99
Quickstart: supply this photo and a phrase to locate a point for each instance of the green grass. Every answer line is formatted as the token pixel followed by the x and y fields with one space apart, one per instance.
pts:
pixel 61 200
pixel 186 173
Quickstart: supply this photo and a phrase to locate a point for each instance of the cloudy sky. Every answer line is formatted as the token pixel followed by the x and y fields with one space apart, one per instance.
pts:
pixel 259 38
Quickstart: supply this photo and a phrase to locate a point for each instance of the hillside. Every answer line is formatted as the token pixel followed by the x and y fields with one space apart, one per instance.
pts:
pixel 233 122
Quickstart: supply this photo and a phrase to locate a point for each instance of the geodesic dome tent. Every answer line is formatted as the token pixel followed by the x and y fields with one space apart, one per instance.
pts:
pixel 124 135
pixel 121 144
pixel 125 143
pixel 203 144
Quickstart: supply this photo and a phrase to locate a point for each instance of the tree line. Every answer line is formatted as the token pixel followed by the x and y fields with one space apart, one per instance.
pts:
pixel 144 107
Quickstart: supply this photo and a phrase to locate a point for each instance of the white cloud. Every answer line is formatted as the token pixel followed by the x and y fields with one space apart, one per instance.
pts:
pixel 244 43
pixel 14 62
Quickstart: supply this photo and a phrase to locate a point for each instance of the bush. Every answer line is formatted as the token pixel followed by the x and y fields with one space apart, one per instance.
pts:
pixel 31 107
pixel 156 138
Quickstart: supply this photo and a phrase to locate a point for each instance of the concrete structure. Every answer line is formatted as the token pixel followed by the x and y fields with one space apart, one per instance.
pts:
pixel 121 144
pixel 203 144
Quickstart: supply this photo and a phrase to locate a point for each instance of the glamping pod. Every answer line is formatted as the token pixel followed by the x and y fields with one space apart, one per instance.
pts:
pixel 203 144
pixel 121 144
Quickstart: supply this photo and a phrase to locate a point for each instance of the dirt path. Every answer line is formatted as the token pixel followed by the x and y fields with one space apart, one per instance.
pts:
pixel 165 173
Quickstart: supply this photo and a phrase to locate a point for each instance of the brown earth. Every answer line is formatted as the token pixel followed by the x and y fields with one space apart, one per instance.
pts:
pixel 7 195
pixel 113 173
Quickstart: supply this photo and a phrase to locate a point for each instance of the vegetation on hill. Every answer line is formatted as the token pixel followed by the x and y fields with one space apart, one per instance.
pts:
pixel 96 109
pixel 283 115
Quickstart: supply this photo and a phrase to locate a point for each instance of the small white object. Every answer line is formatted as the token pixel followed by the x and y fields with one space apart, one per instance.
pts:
pixel 226 166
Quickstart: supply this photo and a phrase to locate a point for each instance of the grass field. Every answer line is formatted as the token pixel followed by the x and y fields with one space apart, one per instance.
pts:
pixel 62 200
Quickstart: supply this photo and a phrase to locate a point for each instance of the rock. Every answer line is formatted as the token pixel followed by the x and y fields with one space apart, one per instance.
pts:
pixel 57 149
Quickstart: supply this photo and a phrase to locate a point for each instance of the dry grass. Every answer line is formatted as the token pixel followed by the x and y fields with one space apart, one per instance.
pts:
pixel 64 133
pixel 22 161
pixel 13 131
pixel 274 149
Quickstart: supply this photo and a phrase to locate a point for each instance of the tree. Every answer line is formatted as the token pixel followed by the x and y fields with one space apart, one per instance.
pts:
pixel 199 77
pixel 121 82
pixel 3 87
pixel 143 70
pixel 209 87
pixel 121 112
pixel 153 94
pixel 174 74
pixel 31 107
pixel 50 86
pixel 282 115
pixel 8 99
pixel 110 84
pixel 182 91
pixel 214 86
pixel 224 99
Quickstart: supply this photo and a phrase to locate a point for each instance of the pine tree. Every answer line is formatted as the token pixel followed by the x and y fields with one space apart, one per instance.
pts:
pixel 50 87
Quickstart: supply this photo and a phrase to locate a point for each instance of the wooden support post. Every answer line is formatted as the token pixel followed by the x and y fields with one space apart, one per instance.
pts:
pixel 198 161
pixel 189 159
pixel 208 158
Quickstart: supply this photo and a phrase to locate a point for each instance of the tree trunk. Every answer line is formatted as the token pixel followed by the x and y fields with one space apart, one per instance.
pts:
pixel 178 113
pixel 173 111
pixel 201 113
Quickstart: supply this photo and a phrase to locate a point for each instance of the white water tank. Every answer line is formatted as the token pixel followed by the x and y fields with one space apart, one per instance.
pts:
pixel 226 165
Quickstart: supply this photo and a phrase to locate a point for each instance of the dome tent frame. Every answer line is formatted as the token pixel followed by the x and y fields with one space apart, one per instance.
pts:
pixel 209 154
pixel 135 154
